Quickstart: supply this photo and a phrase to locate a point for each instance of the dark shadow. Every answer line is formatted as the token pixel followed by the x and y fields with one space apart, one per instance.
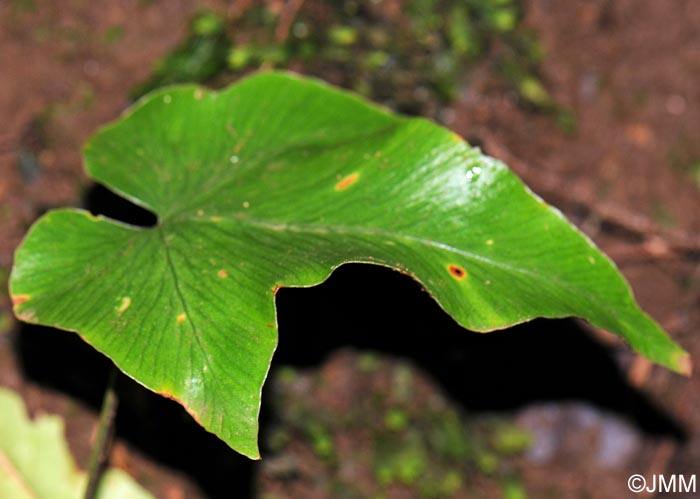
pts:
pixel 374 308
pixel 101 201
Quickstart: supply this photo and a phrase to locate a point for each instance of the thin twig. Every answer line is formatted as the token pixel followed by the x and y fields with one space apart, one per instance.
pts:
pixel 100 449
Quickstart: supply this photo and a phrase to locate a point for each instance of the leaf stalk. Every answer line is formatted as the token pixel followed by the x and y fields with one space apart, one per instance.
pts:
pixel 103 440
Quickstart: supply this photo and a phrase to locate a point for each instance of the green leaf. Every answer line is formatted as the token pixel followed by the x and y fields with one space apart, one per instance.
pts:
pixel 276 181
pixel 35 462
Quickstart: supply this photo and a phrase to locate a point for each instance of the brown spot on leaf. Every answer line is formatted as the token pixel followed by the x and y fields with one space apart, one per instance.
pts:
pixel 19 299
pixel 181 318
pixel 457 272
pixel 347 181
pixel 275 289
pixel 222 274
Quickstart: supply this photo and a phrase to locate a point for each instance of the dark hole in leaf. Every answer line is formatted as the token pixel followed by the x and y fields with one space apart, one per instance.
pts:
pixel 101 201
pixel 457 272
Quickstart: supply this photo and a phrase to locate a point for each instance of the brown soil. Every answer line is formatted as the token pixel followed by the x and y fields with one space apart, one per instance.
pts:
pixel 629 70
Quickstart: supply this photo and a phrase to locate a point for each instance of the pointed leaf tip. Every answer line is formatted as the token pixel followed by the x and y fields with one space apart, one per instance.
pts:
pixel 684 364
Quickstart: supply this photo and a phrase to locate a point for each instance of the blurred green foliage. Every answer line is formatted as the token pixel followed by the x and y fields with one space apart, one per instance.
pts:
pixel 414 59
pixel 202 56
pixel 407 434
pixel 113 34
pixel 23 6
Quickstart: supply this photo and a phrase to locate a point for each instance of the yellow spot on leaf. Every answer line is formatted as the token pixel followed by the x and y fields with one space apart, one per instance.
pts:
pixel 489 242
pixel 346 182
pixel 457 272
pixel 125 303
pixel 222 274
pixel 200 213
pixel 198 94
pixel 216 219
pixel 591 260
pixel 181 318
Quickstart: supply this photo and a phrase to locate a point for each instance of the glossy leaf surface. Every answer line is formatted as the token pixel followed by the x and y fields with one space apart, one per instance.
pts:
pixel 276 181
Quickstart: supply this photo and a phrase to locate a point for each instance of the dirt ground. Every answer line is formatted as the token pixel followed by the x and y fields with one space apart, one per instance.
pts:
pixel 629 176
